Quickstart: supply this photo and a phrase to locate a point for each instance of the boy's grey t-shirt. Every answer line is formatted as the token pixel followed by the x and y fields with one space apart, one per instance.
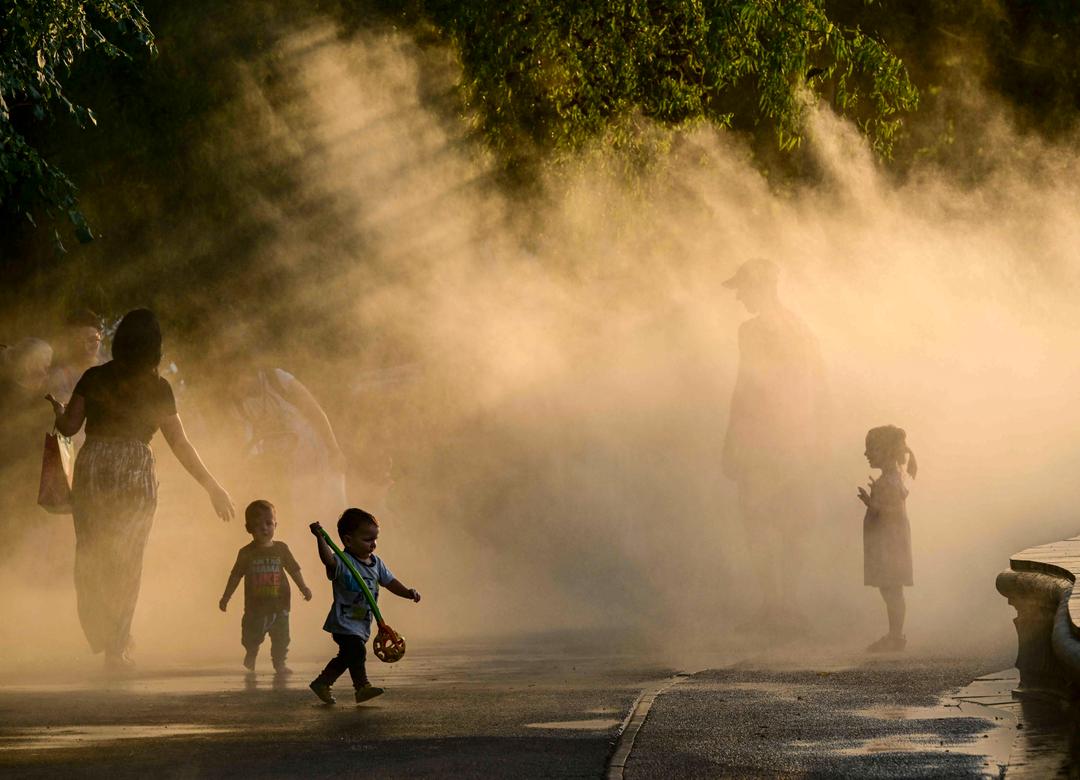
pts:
pixel 349 599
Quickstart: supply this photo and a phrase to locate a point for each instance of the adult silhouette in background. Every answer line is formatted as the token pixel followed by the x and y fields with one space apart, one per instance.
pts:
pixel 77 349
pixel 114 493
pixel 291 444
pixel 775 437
pixel 24 421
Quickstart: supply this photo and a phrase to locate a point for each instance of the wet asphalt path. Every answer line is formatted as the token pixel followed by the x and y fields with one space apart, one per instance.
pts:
pixel 829 717
pixel 512 710
pixel 490 711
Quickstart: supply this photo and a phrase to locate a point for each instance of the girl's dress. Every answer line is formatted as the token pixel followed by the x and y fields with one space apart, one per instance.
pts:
pixel 887 534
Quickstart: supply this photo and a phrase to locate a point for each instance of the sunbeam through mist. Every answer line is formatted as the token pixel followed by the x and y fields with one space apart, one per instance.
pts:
pixel 550 375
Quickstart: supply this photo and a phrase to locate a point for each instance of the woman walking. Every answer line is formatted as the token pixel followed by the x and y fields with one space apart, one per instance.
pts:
pixel 123 403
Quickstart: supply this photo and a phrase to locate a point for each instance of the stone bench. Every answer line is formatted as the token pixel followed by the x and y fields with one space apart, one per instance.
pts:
pixel 1039 584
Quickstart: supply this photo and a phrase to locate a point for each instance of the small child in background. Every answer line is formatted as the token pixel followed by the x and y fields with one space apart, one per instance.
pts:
pixel 349 621
pixel 886 531
pixel 263 565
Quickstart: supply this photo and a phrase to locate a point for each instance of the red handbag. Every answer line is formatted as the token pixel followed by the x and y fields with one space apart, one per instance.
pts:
pixel 54 491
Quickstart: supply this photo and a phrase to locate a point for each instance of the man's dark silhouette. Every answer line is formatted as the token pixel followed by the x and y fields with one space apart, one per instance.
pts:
pixel 774 437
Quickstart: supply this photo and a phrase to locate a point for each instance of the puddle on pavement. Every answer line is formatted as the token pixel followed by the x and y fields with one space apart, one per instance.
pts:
pixel 1034 737
pixel 199 682
pixel 988 699
pixel 992 744
pixel 159 685
pixel 934 712
pixel 596 724
pixel 67 737
pixel 1047 744
pixel 419 669
pixel 906 743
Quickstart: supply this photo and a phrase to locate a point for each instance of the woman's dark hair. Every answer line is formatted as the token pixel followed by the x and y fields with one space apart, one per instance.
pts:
pixel 352 518
pixel 137 343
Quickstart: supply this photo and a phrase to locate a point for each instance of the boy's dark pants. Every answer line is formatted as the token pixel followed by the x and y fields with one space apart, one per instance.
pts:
pixel 256 625
pixel 351 655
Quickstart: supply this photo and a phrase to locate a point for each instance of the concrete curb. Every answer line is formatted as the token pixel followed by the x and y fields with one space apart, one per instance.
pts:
pixel 1040 585
pixel 632 724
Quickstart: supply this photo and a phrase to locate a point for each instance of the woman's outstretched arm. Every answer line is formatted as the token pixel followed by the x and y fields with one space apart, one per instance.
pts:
pixel 173 431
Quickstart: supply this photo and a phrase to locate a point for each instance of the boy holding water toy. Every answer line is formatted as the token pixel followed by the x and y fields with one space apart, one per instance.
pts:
pixel 349 621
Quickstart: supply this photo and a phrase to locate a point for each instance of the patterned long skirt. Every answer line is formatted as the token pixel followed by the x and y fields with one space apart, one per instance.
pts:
pixel 114 495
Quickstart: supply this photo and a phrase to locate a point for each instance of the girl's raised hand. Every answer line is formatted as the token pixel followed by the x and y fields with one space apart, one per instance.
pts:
pixel 864 496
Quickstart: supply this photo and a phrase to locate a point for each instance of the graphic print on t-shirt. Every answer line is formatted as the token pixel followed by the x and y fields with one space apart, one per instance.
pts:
pixel 266 588
pixel 264 576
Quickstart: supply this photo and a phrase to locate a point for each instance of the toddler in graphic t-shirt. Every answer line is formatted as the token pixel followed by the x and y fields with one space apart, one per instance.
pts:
pixel 263 565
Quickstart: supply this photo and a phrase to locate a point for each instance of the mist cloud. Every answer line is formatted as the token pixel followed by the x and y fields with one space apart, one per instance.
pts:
pixel 560 366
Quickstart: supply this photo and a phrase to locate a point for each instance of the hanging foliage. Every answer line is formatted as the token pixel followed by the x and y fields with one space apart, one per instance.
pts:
pixel 40 42
pixel 552 76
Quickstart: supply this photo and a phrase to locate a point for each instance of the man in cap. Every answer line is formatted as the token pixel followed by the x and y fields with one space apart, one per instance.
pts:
pixel 775 436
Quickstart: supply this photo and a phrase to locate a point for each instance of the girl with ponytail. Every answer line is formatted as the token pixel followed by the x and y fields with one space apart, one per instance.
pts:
pixel 886 531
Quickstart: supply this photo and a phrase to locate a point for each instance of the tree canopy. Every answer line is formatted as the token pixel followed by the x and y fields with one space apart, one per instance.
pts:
pixel 540 77
pixel 554 75
pixel 41 41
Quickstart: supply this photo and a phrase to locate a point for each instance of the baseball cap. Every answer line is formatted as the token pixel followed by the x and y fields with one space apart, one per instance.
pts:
pixel 754 272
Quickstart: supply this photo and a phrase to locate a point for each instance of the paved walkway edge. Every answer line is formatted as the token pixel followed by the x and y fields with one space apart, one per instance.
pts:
pixel 635 719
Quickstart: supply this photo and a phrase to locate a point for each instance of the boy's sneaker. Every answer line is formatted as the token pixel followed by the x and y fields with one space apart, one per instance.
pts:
pixel 249 659
pixel 368 691
pixel 282 670
pixel 322 690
